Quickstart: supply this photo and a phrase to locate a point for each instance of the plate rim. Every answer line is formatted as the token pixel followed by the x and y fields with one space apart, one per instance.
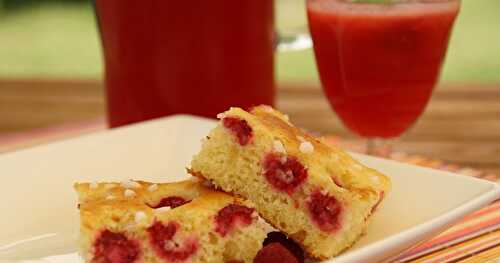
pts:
pixel 417 233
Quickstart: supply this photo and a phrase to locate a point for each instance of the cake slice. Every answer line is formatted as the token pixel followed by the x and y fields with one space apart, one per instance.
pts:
pixel 315 193
pixel 137 221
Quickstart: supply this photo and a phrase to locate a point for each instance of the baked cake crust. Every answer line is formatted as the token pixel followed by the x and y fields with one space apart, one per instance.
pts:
pixel 119 223
pixel 314 192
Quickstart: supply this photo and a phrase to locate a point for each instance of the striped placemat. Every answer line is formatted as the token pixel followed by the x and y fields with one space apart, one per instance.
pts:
pixel 476 238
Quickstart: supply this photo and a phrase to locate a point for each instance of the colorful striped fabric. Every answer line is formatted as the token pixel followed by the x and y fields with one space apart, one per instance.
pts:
pixel 474 239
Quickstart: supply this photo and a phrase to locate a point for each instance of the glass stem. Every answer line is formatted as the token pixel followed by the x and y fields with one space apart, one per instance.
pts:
pixel 379 147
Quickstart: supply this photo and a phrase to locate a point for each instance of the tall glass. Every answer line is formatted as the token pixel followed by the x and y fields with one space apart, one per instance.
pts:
pixel 379 60
pixel 198 57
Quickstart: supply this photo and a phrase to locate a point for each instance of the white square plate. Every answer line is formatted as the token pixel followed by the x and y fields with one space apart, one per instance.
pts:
pixel 39 219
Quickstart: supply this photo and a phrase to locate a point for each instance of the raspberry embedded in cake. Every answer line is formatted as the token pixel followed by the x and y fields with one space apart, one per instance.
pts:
pixel 183 234
pixel 162 239
pixel 275 253
pixel 171 201
pixel 288 243
pixel 115 248
pixel 239 128
pixel 232 215
pixel 325 211
pixel 285 173
pixel 280 172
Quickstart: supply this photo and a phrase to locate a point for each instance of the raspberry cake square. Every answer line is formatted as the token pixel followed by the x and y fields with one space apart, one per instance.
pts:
pixel 136 221
pixel 315 193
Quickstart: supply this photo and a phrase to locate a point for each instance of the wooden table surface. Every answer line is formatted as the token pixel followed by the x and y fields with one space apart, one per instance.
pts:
pixel 461 124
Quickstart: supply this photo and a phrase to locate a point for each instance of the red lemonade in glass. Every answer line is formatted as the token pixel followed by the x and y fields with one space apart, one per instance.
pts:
pixel 199 57
pixel 379 63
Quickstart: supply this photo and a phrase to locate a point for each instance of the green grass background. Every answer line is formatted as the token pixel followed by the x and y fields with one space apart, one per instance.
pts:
pixel 57 40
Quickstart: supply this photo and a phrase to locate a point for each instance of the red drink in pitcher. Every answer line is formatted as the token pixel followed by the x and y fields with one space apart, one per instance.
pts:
pixel 379 62
pixel 198 57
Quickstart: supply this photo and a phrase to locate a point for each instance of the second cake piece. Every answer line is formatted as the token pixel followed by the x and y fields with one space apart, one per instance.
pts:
pixel 315 193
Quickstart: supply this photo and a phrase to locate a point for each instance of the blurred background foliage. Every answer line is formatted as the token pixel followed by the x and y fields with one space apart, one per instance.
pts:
pixel 58 39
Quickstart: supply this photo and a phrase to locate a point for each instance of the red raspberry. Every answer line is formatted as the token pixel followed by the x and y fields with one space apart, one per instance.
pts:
pixel 229 216
pixel 275 253
pixel 161 239
pixel 286 174
pixel 112 247
pixel 239 128
pixel 325 211
pixel 288 243
pixel 171 201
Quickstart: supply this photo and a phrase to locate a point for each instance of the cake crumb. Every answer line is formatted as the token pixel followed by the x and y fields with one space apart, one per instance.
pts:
pixel 162 209
pixel 267 108
pixel 278 147
pixel 139 216
pixel 221 116
pixel 306 147
pixel 129 193
pixel 129 184
pixel 152 187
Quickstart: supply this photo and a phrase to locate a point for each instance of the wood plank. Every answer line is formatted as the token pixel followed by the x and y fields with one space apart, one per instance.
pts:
pixel 460 125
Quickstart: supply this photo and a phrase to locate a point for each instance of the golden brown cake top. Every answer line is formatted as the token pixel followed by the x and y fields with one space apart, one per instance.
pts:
pixel 105 201
pixel 345 170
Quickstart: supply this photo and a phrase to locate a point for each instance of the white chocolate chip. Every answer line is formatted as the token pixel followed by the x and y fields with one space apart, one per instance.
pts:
pixel 306 147
pixel 110 197
pixel 139 216
pixel 267 108
pixel 278 147
pixel 129 184
pixel 162 209
pixel 93 185
pixel 221 116
pixel 153 187
pixel 375 179
pixel 129 193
